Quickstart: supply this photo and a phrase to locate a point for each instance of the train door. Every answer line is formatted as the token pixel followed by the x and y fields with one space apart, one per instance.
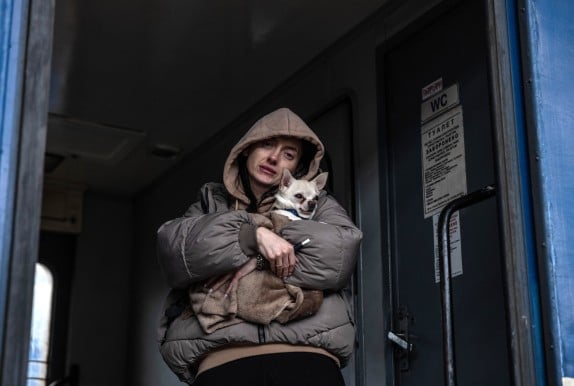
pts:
pixel 438 139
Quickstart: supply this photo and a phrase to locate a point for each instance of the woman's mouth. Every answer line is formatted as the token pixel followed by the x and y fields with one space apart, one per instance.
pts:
pixel 267 170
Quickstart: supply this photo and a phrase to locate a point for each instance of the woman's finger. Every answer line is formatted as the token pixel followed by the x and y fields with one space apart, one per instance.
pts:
pixel 287 260
pixel 292 264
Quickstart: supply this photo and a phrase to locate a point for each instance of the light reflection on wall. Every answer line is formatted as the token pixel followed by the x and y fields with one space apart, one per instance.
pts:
pixel 40 334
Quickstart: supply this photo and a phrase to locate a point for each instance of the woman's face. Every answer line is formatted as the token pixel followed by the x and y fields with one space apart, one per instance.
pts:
pixel 267 159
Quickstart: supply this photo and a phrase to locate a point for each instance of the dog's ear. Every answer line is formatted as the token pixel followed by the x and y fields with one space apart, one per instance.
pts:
pixel 286 178
pixel 321 180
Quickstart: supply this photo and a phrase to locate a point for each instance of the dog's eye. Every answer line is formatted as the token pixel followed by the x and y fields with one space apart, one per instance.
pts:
pixel 315 198
pixel 299 196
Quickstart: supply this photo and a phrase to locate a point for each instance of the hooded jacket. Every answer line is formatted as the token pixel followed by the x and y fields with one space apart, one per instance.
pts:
pixel 216 235
pixel 282 122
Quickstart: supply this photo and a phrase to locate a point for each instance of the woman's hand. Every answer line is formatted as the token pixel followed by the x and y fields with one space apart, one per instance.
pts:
pixel 278 251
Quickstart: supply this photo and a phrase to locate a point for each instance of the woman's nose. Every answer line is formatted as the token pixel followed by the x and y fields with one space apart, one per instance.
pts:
pixel 273 156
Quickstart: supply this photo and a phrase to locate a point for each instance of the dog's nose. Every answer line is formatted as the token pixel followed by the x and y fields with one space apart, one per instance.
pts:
pixel 312 205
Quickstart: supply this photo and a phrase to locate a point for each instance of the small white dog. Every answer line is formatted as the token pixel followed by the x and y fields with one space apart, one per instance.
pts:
pixel 297 199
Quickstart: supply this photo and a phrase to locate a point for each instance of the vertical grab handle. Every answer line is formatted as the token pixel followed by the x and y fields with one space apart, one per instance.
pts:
pixel 449 368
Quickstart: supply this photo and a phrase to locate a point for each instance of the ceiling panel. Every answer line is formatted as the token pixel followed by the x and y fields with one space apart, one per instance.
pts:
pixel 176 71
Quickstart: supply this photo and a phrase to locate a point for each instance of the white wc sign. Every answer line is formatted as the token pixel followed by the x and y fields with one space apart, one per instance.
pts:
pixel 439 103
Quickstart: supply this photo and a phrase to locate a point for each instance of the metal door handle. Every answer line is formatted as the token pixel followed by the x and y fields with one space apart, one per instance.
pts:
pixel 449 367
pixel 398 340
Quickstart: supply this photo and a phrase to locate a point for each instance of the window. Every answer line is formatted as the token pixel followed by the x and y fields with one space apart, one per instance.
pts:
pixel 40 332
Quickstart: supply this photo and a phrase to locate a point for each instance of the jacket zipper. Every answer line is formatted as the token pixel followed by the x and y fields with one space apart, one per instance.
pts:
pixel 261 333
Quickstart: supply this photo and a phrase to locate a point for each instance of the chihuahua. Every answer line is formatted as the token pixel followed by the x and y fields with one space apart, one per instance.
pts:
pixel 297 199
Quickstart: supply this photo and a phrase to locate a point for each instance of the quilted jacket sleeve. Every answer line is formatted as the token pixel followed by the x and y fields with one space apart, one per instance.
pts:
pixel 327 262
pixel 200 245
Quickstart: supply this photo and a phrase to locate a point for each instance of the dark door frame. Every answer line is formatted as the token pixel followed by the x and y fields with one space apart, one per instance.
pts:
pixel 20 244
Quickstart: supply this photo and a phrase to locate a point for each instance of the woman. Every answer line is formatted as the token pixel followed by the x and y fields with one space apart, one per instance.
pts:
pixel 218 235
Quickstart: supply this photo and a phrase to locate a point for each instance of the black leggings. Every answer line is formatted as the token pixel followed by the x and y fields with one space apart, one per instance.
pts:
pixel 283 369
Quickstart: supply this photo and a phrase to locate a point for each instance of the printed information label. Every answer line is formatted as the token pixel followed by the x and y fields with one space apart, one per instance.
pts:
pixel 455 247
pixel 431 89
pixel 444 163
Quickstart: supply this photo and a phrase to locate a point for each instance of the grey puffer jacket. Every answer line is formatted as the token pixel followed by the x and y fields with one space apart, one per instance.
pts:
pixel 206 242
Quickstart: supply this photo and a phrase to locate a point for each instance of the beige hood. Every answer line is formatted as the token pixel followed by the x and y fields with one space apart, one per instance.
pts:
pixel 282 122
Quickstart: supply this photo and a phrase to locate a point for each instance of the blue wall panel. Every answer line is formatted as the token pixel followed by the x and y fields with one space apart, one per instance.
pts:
pixel 13 16
pixel 550 37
